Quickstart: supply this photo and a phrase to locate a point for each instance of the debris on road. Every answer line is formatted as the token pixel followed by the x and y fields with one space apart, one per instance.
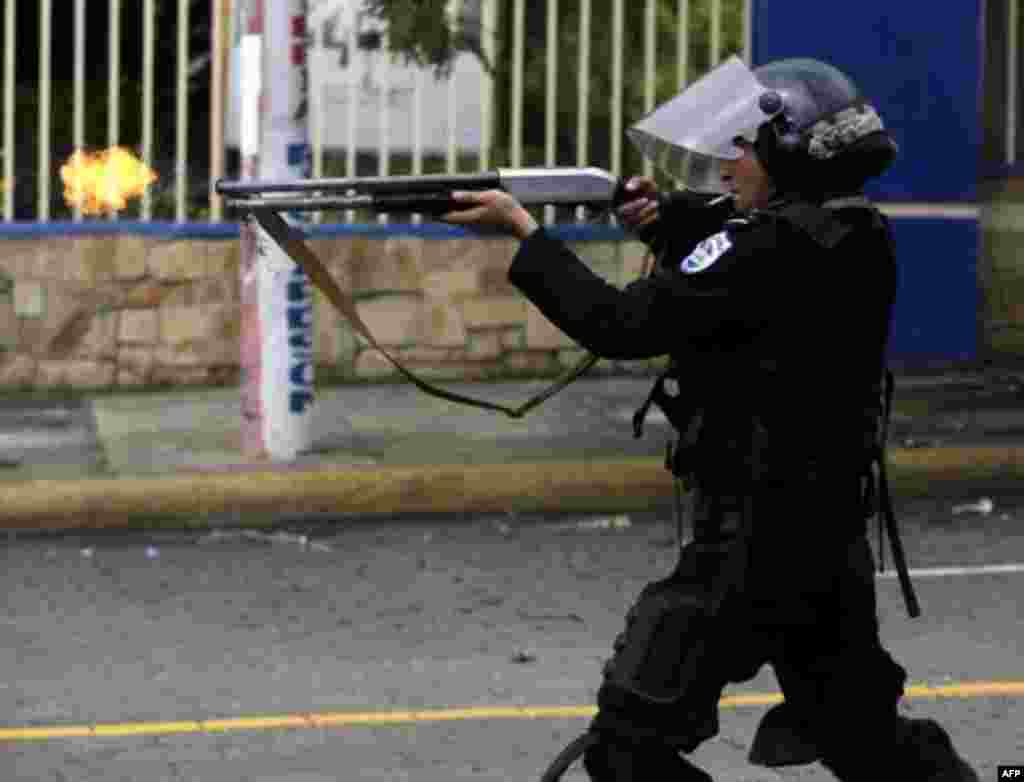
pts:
pixel 620 521
pixel 571 617
pixel 913 442
pixel 269 538
pixel 984 507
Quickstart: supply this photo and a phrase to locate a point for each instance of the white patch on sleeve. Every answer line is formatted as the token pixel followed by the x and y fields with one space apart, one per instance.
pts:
pixel 706 253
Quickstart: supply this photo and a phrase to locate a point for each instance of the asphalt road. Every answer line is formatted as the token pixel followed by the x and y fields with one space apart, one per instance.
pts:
pixel 119 649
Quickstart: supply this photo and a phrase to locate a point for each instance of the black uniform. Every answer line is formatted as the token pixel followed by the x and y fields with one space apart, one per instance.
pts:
pixel 777 323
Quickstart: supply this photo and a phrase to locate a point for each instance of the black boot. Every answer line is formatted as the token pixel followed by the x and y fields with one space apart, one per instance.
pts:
pixel 618 761
pixel 931 751
pixel 923 752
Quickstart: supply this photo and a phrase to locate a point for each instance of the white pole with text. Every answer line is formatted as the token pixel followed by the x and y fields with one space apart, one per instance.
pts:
pixel 276 296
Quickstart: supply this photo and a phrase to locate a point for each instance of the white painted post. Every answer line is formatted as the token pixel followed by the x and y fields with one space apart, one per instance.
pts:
pixel 516 130
pixel 316 110
pixel 220 13
pixel 148 69
pixel 417 130
pixel 114 80
pixel 618 41
pixel 277 301
pixel 487 33
pixel 583 109
pixel 384 108
pixel 250 85
pixel 353 112
pixel 452 95
pixel 683 44
pixel 78 102
pixel 45 91
pixel 551 95
pixel 181 116
pixel 650 78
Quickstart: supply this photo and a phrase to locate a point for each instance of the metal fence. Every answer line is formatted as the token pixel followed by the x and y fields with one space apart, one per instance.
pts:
pixel 184 137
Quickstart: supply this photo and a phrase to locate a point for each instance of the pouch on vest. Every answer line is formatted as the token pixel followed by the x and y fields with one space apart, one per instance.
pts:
pixel 682 412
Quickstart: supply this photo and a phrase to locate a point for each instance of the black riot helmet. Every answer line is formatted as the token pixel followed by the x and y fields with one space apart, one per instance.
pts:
pixel 812 130
pixel 823 136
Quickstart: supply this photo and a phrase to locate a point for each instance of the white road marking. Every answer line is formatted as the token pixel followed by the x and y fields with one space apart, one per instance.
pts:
pixel 976 570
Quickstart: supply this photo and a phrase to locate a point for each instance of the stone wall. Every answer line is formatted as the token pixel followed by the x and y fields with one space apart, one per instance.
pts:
pixel 121 311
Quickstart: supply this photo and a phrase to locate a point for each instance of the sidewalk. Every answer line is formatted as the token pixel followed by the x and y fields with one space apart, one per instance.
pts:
pixel 114 460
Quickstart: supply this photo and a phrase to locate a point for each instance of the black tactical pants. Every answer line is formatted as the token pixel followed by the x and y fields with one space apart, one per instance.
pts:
pixel 807 608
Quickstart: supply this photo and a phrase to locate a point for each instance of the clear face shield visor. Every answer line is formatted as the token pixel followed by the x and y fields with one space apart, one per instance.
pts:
pixel 690 134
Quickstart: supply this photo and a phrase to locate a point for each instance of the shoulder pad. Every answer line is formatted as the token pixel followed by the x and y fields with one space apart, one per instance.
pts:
pixel 821 223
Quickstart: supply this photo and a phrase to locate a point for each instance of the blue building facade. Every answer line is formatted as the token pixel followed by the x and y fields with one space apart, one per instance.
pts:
pixel 926 73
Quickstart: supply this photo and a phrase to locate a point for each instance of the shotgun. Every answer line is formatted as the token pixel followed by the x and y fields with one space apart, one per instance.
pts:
pixel 428 194
pixel 264 200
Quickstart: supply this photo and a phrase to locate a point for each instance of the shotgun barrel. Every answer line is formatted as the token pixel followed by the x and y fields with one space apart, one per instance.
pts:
pixel 428 194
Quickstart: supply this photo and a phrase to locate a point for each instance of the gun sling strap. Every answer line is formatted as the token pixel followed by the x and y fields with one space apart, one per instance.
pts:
pixel 887 516
pixel 292 243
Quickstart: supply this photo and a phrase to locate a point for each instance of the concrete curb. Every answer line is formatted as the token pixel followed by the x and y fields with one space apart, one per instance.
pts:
pixel 949 461
pixel 105 503
pixel 261 495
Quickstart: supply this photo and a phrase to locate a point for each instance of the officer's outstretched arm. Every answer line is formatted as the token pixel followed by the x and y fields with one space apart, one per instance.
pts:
pixel 491 208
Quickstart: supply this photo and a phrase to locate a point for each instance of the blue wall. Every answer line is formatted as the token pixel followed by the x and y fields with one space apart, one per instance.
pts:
pixel 937 301
pixel 920 64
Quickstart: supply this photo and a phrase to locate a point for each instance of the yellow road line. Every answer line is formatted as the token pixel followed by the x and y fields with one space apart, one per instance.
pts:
pixel 982 689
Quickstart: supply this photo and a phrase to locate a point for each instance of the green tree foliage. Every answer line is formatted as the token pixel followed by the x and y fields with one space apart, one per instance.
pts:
pixel 419 32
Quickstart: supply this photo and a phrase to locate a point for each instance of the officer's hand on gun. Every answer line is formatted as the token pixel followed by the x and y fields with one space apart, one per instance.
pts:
pixel 641 207
pixel 498 209
pixel 494 208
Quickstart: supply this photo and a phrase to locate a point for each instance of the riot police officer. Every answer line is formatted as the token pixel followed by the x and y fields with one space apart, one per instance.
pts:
pixel 772 294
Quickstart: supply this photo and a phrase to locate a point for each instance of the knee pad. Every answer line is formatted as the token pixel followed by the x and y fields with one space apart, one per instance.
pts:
pixel 664 631
pixel 782 740
pixel 648 692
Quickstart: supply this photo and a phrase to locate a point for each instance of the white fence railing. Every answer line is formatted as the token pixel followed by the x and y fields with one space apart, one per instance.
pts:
pixel 189 149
